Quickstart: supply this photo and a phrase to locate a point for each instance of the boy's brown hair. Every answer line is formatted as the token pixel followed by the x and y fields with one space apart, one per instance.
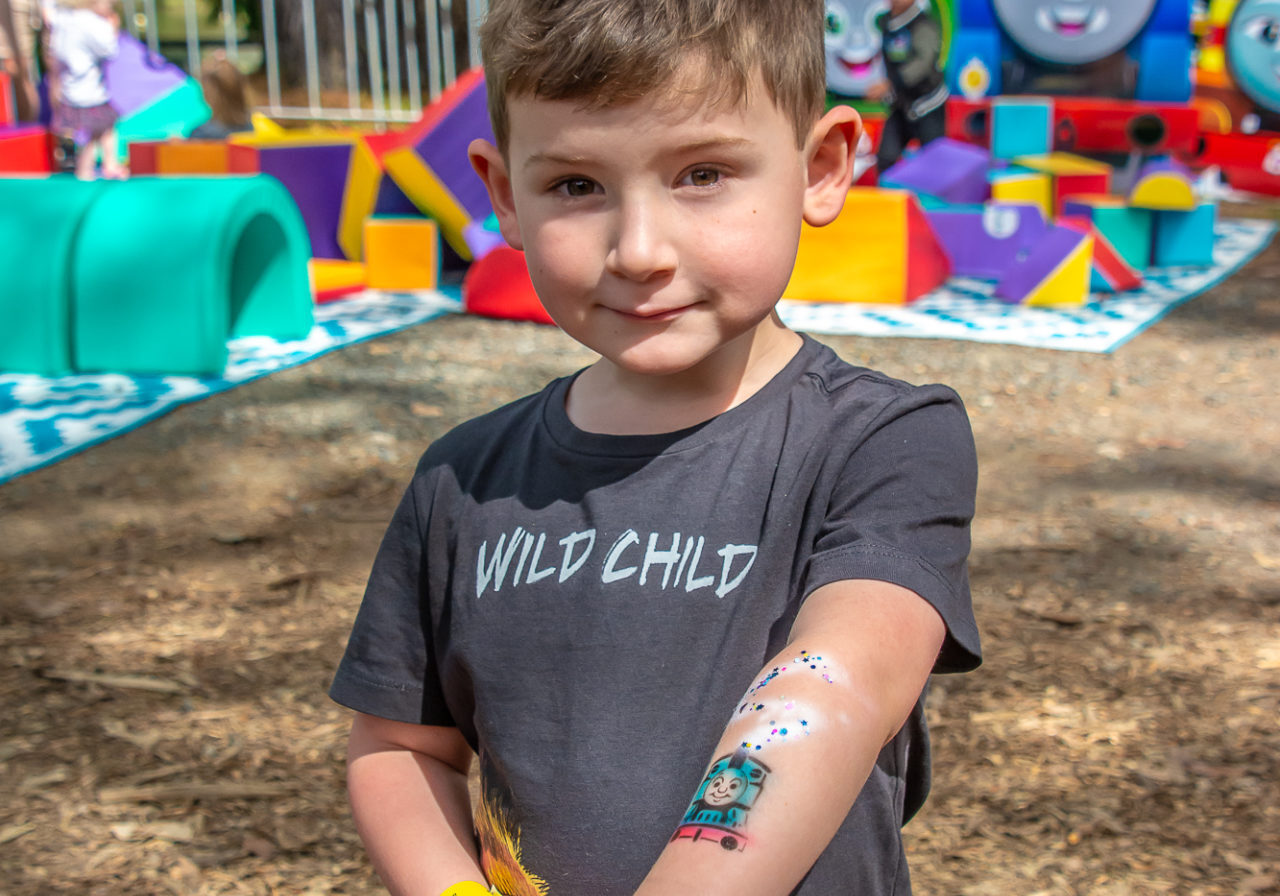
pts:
pixel 611 52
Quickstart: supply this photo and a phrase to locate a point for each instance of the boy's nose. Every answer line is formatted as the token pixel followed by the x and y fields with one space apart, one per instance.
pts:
pixel 641 245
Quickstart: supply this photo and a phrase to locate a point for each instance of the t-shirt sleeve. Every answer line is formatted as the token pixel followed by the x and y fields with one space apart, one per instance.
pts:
pixel 102 39
pixel 900 511
pixel 389 669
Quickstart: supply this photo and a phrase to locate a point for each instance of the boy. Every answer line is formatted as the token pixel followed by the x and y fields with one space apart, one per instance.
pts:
pixel 717 522
pixel 911 45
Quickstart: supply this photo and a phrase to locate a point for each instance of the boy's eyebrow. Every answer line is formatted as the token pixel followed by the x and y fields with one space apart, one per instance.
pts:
pixel 571 159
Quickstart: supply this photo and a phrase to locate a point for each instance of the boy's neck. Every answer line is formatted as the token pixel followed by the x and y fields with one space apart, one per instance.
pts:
pixel 608 399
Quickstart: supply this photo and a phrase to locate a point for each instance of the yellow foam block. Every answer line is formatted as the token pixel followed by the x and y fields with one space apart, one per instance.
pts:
pixel 880 249
pixel 1024 187
pixel 872 225
pixel 1166 192
pixel 1063 163
pixel 191 157
pixel 1069 282
pixel 358 200
pixel 430 194
pixel 331 276
pixel 401 253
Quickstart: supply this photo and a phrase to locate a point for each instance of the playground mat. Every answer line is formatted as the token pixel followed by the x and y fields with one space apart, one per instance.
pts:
pixel 964 309
pixel 44 419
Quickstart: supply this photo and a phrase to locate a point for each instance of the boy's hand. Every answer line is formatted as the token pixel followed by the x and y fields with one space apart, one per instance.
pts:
pixel 878 92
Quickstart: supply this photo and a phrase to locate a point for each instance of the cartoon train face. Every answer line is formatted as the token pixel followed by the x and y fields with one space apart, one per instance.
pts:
pixel 1073 32
pixel 1252 46
pixel 719 809
pixel 853 45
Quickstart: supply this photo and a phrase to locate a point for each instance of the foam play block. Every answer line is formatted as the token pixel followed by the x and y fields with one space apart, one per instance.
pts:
pixel 1056 271
pixel 947 169
pixel 1165 184
pixel 1249 161
pixel 369 190
pixel 985 241
pixel 401 253
pixel 1127 229
pixel 1021 186
pixel 25 149
pixel 498 285
pixel 8 103
pixel 222 257
pixel 179 157
pixel 1184 238
pixel 1072 175
pixel 969 121
pixel 155 98
pixel 483 236
pixel 1110 271
pixel 431 165
pixel 333 278
pixel 1021 126
pixel 314 171
pixel 880 249
pixel 1101 125
pixel 39 222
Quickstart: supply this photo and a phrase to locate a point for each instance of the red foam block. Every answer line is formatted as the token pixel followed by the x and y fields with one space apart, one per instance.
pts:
pixel 498 285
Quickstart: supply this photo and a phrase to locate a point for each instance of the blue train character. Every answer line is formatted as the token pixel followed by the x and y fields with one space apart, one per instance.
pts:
pixel 1128 49
pixel 1251 46
pixel 854 63
pixel 719 809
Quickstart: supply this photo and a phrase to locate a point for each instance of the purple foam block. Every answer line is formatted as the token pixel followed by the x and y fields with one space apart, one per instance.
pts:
pixel 985 242
pixel 392 202
pixel 444 150
pixel 314 176
pixel 1024 276
pixel 481 240
pixel 945 168
pixel 136 77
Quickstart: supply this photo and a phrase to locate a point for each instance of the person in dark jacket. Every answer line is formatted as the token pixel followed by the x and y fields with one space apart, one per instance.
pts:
pixel 914 89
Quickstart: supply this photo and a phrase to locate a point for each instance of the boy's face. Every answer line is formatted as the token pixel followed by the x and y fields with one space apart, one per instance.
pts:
pixel 657 232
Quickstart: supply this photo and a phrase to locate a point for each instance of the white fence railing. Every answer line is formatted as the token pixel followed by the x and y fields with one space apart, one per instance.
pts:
pixel 339 60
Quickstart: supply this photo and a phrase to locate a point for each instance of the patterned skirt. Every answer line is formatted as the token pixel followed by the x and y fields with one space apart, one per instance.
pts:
pixel 84 124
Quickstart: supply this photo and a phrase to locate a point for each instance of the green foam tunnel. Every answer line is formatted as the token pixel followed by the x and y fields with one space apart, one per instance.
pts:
pixel 151 275
pixel 40 219
pixel 167 269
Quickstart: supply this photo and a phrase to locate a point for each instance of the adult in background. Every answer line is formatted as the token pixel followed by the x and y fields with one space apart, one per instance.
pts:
pixel 19 22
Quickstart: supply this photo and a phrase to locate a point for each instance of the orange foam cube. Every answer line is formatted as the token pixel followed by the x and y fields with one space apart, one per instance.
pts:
pixel 401 253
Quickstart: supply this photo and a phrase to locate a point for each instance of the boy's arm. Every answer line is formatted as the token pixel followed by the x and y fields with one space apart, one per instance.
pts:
pixel 809 732
pixel 408 790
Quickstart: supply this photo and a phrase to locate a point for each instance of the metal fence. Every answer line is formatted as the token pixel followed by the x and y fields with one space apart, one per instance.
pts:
pixel 339 60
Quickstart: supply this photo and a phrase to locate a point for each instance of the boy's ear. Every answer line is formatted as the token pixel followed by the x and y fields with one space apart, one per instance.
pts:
pixel 832 146
pixel 492 168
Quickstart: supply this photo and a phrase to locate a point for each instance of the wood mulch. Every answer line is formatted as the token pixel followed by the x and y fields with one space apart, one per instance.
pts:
pixel 173 602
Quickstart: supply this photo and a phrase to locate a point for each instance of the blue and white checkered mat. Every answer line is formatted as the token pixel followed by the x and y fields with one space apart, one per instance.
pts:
pixel 44 419
pixel 964 309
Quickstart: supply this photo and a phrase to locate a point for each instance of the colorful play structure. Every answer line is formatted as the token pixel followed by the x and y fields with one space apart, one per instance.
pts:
pixel 1078 133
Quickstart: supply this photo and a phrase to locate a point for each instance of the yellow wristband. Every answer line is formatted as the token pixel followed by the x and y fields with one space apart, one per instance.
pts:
pixel 466 888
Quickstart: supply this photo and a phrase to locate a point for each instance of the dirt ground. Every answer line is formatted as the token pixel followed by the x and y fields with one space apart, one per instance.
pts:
pixel 173 602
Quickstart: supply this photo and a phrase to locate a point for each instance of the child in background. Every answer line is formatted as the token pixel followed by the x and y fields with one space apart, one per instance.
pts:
pixel 227 96
pixel 85 35
pixel 915 89
pixel 684 603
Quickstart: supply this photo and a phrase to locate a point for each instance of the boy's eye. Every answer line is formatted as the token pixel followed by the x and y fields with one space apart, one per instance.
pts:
pixel 576 186
pixel 703 177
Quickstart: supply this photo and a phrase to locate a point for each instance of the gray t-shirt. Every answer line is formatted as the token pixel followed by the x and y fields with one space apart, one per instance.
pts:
pixel 589 610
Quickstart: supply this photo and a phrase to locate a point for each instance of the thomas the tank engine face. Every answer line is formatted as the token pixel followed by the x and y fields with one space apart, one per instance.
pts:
pixel 1252 46
pixel 1073 32
pixel 853 45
